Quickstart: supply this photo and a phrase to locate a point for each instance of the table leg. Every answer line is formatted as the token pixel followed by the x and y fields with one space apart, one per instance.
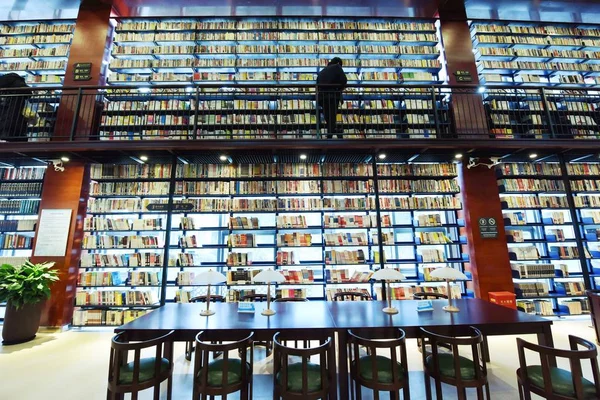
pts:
pixel 343 364
pixel 545 339
pixel 333 388
pixel 485 347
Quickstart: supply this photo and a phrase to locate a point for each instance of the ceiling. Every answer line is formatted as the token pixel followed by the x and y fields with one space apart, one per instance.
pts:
pixel 586 11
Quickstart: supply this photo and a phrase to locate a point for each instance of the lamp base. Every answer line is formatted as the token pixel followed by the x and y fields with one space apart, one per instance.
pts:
pixel 390 310
pixel 207 313
pixel 451 309
pixel 268 312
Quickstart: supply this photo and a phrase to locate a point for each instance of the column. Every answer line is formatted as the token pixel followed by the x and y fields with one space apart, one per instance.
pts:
pixel 65 190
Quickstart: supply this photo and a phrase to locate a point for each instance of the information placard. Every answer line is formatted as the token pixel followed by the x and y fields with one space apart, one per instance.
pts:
pixel 488 228
pixel 53 233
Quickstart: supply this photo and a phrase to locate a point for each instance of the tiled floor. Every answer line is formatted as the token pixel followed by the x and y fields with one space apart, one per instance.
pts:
pixel 73 366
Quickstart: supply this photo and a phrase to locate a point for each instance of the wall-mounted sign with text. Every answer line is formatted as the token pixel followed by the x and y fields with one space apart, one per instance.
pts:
pixel 463 76
pixel 82 72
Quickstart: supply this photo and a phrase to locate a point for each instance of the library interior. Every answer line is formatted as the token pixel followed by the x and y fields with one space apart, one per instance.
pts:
pixel 300 199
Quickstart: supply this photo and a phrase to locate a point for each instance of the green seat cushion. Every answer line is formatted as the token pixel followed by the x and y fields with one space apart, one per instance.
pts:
pixel 146 370
pixel 295 377
pixel 446 365
pixel 562 382
pixel 384 369
pixel 216 368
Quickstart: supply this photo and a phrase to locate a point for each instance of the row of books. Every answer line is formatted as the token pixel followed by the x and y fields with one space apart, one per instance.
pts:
pixel 33 65
pixel 524 271
pixel 237 259
pixel 122 224
pixel 130 171
pixel 585 185
pixel 15 241
pixel 134 278
pixel 337 275
pixel 535 201
pixel 115 298
pixel 18 225
pixel 542 66
pixel 105 317
pixel 583 169
pixel 549 30
pixel 128 188
pixel 23 173
pixel 531 289
pixel 242 223
pixel 20 189
pixel 345 257
pixel 120 242
pixel 346 239
pixel 294 239
pixel 19 206
pixel 529 185
pixel 538 307
pixel 143 259
pixel 408 186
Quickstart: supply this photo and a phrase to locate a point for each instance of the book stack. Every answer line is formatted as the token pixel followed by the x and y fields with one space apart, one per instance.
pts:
pixel 243 223
pixel 303 276
pixel 533 289
pixel 137 278
pixel 290 293
pixel 99 279
pixel 241 240
pixel 429 220
pixel 294 240
pixel 344 257
pixel 433 238
pixel 285 258
pixel 521 271
pixel 346 239
pixel 291 221
pixel 433 255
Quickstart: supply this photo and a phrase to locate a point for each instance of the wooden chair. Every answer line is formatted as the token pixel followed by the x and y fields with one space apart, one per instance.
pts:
pixel 428 296
pixel 378 372
pixel 302 379
pixel 452 368
pixel 556 383
pixel 214 298
pixel 141 373
pixel 594 301
pixel 350 296
pixel 226 375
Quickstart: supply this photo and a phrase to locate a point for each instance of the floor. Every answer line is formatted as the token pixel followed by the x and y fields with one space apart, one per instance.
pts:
pixel 73 366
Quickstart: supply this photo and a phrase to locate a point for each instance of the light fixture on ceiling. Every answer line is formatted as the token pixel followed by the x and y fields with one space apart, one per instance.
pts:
pixel 144 158
pixel 382 156
pixel 303 156
pixel 533 155
pixel 458 156
pixel 64 159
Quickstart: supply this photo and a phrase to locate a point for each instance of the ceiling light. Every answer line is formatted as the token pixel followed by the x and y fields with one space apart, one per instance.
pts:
pixel 532 155
pixel 144 158
pixel 303 156
pixel 64 159
pixel 382 156
pixel 223 157
pixel 458 156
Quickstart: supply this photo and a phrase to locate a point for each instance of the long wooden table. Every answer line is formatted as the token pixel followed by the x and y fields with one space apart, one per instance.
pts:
pixel 312 319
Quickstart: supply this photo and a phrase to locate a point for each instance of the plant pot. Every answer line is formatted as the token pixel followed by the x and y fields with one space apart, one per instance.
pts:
pixel 21 325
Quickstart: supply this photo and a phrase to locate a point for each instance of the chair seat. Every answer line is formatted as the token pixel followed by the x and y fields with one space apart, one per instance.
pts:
pixel 146 370
pixel 562 381
pixel 446 365
pixel 384 369
pixel 216 368
pixel 295 377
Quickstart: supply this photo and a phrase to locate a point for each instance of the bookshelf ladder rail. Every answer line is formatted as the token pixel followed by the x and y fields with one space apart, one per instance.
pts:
pixel 379 231
pixel 168 228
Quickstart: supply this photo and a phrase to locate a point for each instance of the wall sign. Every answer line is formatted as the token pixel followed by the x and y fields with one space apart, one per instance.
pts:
pixel 165 207
pixel 82 72
pixel 488 228
pixel 53 233
pixel 463 76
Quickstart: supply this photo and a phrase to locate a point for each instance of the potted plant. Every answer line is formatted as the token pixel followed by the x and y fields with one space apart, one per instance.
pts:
pixel 24 289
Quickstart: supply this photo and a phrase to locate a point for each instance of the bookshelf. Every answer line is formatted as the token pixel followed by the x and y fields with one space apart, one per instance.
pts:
pixel 323 224
pixel 20 193
pixel 38 51
pixel 542 239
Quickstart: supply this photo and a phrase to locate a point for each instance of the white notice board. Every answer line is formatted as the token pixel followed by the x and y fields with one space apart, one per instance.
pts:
pixel 53 233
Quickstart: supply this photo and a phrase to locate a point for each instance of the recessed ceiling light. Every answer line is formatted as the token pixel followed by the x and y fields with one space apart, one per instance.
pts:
pixel 303 156
pixel 144 158
pixel 382 156
pixel 458 156
pixel 64 159
pixel 532 155
pixel 223 157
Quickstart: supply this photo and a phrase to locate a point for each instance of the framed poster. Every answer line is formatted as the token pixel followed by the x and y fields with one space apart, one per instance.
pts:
pixel 53 233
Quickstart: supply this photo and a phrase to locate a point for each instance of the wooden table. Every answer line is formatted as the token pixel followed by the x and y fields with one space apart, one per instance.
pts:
pixel 312 319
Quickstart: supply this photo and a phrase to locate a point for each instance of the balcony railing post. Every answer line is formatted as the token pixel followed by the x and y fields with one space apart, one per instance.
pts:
pixel 76 115
pixel 196 113
pixel 318 111
pixel 547 113
pixel 436 117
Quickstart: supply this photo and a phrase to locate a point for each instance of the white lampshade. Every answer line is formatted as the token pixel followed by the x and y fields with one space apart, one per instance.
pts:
pixel 268 275
pixel 447 273
pixel 210 277
pixel 387 274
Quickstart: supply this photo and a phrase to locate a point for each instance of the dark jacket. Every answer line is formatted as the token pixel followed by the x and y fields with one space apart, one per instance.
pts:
pixel 332 75
pixel 13 125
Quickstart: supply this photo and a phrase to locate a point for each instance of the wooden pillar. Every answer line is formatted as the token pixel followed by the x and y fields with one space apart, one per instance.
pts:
pixel 65 190
pixel 466 106
pixel 490 264
pixel 90 43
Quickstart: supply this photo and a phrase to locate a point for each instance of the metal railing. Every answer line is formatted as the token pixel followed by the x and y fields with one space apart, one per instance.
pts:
pixel 293 112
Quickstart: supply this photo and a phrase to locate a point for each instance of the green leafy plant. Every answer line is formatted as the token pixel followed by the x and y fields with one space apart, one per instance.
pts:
pixel 26 284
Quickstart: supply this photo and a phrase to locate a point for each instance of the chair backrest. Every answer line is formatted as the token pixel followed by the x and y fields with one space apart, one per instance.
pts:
pixel 428 295
pixel 574 355
pixel 390 343
pixel 254 297
pixel 120 348
pixel 290 299
pixel 437 341
pixel 351 296
pixel 282 359
pixel 208 346
pixel 594 301
pixel 214 298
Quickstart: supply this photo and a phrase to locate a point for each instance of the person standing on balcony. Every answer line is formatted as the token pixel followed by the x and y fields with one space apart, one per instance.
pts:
pixel 331 82
pixel 13 123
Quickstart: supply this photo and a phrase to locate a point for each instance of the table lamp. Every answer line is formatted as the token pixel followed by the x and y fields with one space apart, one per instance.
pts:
pixel 388 274
pixel 268 276
pixel 209 277
pixel 449 274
